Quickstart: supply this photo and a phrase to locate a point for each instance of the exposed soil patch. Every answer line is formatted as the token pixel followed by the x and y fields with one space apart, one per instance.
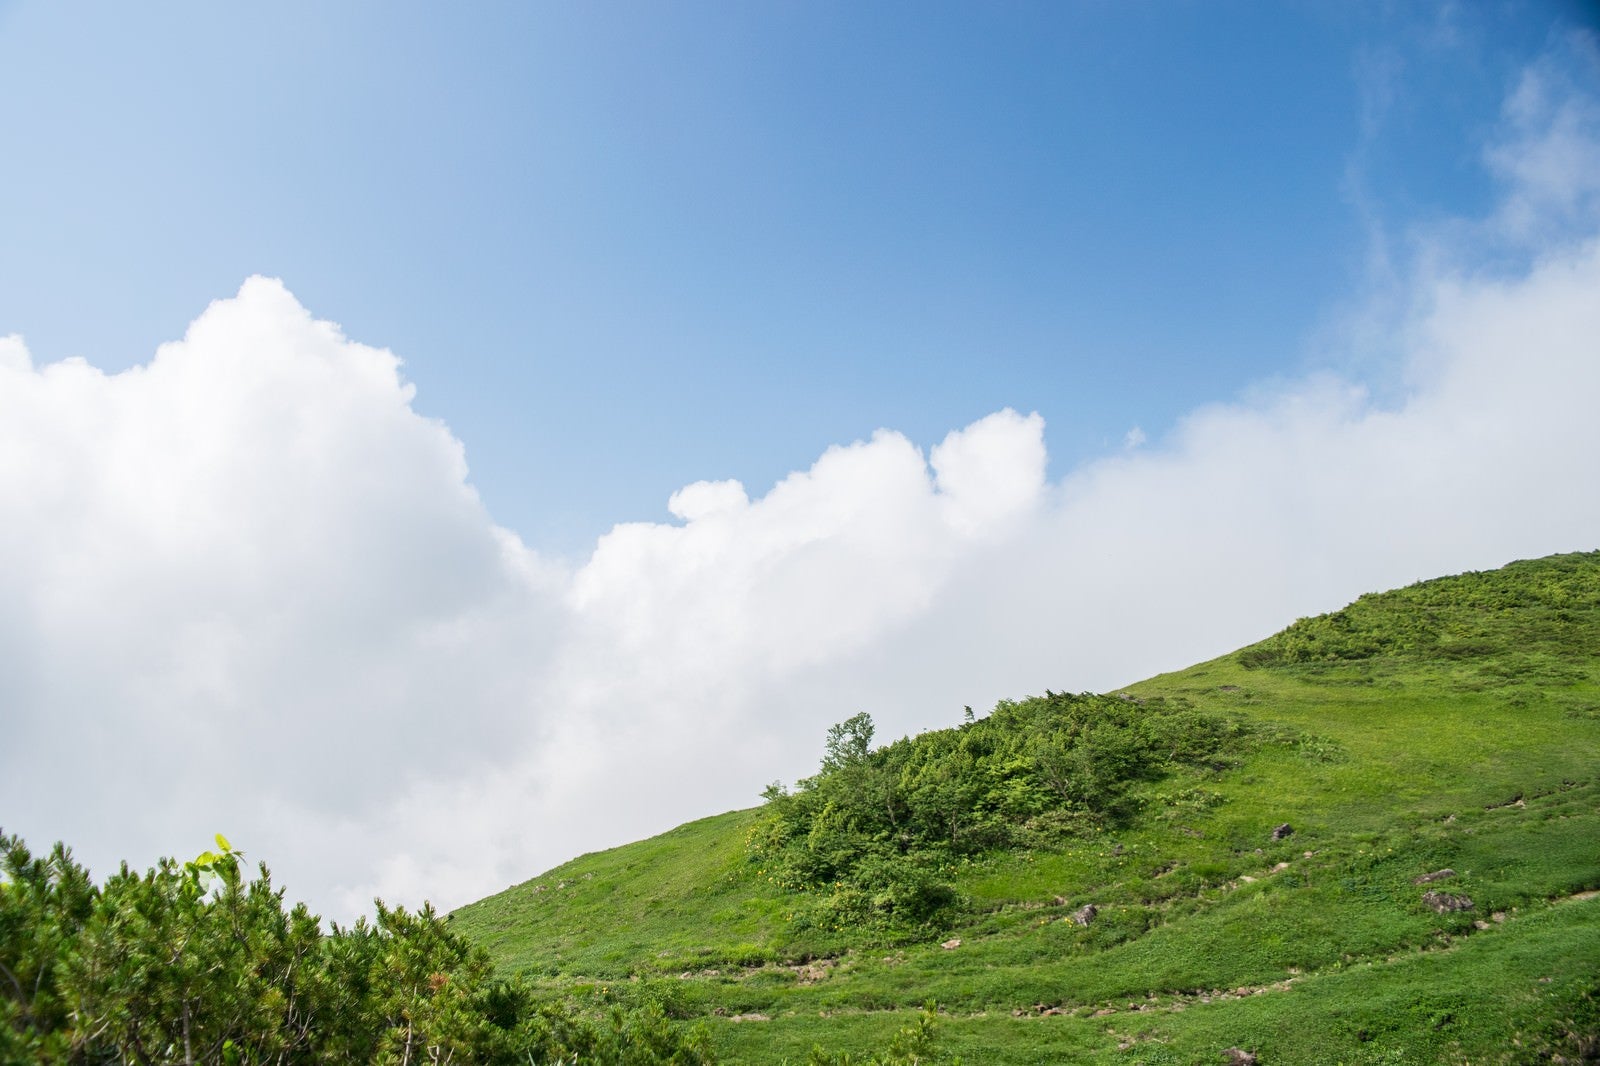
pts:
pixel 809 973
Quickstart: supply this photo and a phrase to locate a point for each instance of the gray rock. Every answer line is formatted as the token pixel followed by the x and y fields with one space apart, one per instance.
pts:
pixel 1444 902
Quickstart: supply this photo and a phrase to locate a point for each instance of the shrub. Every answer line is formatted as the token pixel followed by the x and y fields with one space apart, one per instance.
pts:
pixel 872 832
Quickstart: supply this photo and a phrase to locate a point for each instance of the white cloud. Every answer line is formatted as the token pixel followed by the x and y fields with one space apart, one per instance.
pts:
pixel 246 587
pixel 244 577
pixel 1550 157
pixel 14 354
pixel 704 499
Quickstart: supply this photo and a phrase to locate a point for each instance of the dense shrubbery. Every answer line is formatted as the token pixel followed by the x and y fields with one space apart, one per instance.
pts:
pixel 1471 615
pixel 193 962
pixel 873 833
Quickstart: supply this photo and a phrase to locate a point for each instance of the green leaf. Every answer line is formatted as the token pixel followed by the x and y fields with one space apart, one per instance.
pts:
pixel 222 842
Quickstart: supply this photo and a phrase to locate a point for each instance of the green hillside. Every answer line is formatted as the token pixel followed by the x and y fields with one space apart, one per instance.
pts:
pixel 1450 726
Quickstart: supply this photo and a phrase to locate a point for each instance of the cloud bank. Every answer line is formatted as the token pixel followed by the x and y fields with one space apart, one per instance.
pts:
pixel 248 587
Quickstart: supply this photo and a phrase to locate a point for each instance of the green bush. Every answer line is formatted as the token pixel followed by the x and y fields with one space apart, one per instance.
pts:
pixel 196 962
pixel 873 837
pixel 1466 617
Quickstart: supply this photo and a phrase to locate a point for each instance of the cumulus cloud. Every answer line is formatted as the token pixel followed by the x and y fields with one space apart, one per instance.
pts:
pixel 244 577
pixel 247 587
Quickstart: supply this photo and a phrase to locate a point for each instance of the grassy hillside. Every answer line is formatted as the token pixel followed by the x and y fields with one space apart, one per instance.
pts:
pixel 1453 725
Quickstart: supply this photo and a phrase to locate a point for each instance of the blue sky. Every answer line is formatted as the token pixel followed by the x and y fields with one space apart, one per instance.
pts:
pixel 624 247
pixel 436 442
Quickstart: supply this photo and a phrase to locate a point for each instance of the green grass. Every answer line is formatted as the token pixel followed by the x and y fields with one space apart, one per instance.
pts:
pixel 1452 724
pixel 680 900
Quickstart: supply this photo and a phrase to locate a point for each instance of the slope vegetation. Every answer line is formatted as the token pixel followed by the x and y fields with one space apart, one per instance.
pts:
pixel 1372 837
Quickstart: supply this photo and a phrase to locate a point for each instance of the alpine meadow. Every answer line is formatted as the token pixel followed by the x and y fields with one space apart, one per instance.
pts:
pixel 1373 837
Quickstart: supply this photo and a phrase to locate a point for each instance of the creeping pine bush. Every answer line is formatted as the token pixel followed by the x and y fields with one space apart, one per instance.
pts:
pixel 196 962
pixel 1468 616
pixel 867 837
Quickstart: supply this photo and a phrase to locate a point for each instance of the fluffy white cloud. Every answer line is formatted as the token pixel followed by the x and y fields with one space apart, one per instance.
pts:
pixel 245 578
pixel 246 587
